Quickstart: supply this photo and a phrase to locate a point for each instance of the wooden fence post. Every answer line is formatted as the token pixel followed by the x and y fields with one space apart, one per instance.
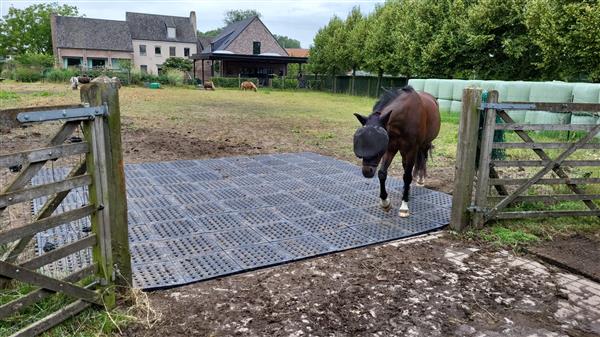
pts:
pixel 103 91
pixel 464 171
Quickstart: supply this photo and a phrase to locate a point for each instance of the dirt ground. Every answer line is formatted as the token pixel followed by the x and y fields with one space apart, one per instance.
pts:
pixel 404 290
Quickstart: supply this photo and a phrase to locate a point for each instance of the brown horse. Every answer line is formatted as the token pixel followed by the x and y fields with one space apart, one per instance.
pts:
pixel 208 85
pixel 402 120
pixel 247 85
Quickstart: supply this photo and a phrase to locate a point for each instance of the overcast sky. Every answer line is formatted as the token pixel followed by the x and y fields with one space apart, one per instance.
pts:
pixel 298 19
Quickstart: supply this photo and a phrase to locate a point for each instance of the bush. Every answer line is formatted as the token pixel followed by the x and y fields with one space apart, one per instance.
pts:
pixel 173 77
pixel 287 83
pixel 27 75
pixel 60 75
pixel 8 95
pixel 231 82
pixel 35 60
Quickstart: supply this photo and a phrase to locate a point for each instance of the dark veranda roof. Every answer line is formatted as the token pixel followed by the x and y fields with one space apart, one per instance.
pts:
pixel 229 34
pixel 86 33
pixel 153 27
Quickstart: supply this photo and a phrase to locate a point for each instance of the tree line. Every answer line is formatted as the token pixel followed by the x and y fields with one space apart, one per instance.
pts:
pixel 470 39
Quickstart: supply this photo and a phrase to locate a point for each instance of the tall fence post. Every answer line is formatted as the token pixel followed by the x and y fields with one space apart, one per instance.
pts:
pixel 464 171
pixel 103 91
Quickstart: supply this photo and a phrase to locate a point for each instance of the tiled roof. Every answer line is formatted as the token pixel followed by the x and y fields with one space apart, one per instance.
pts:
pixel 85 33
pixel 153 27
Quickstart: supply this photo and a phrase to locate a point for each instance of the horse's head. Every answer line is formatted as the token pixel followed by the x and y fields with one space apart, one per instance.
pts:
pixel 371 141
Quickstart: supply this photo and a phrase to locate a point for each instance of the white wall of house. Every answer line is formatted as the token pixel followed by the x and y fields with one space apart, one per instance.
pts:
pixel 151 60
pixel 86 54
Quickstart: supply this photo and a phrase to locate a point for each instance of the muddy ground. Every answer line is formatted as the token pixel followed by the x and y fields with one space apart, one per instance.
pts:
pixel 405 290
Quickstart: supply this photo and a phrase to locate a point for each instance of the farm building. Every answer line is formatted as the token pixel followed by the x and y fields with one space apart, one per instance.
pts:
pixel 245 48
pixel 145 39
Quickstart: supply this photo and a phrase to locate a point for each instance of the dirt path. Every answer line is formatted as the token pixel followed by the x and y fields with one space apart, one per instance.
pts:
pixel 431 288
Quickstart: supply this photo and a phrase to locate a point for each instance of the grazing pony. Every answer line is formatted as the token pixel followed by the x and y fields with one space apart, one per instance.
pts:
pixel 209 85
pixel 402 120
pixel 247 85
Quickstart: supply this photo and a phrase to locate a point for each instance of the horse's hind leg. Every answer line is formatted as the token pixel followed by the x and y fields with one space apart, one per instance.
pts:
pixel 408 163
pixel 386 204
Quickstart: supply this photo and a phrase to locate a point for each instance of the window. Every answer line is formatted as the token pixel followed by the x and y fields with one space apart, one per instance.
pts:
pixel 171 32
pixel 144 69
pixel 256 47
pixel 186 52
pixel 143 50
pixel 171 51
pixel 157 50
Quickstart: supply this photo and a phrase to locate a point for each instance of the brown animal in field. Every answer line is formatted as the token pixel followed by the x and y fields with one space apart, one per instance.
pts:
pixel 208 85
pixel 247 85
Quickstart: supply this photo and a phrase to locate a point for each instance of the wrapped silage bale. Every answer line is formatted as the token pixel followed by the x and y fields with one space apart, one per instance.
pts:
pixel 456 107
pixel 585 93
pixel 499 86
pixel 417 83
pixel 445 90
pixel 444 104
pixel 457 89
pixel 517 91
pixel 431 87
pixel 549 92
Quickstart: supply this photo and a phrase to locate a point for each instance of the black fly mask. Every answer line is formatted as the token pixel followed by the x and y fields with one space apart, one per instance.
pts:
pixel 370 141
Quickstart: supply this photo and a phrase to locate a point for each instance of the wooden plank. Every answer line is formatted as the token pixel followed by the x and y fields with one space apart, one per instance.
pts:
pixel 35 296
pixel 8 117
pixel 485 156
pixel 558 170
pixel 542 146
pixel 53 319
pixel 544 127
pixel 34 192
pixel 464 170
pixel 549 197
pixel 545 181
pixel 27 276
pixel 562 107
pixel 46 223
pixel 59 253
pixel 119 235
pixel 537 163
pixel 43 154
pixel 543 214
pixel 551 164
pixel 499 187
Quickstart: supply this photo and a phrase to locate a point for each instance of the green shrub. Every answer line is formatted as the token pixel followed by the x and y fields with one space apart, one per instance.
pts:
pixel 35 60
pixel 8 95
pixel 231 82
pixel 278 83
pixel 27 75
pixel 173 77
pixel 60 75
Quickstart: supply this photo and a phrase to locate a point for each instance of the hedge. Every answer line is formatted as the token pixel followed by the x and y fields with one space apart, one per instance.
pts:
pixel 27 75
pixel 231 82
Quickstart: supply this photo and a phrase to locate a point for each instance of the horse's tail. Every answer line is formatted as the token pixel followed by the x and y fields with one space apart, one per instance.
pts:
pixel 421 164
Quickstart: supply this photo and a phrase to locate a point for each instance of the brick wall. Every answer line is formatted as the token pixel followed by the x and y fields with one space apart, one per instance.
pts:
pixel 256 31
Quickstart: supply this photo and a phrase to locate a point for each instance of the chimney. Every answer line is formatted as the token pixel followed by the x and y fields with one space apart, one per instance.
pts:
pixel 193 20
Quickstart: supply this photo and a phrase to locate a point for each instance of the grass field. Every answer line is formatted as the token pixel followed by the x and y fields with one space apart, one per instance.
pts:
pixel 184 123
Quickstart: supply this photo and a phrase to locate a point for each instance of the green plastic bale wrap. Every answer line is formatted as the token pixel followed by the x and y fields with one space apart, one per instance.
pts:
pixel 550 92
pixel 546 117
pixel 457 89
pixel 445 89
pixel 445 105
pixel 431 87
pixel 456 107
pixel 417 83
pixel 499 86
pixel 518 116
pixel 586 93
pixel 517 91
pixel 583 118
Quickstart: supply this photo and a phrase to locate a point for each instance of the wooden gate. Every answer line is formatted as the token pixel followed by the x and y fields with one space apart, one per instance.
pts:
pixel 102 172
pixel 476 206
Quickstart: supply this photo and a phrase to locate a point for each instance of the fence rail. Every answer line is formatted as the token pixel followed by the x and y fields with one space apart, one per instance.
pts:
pixel 101 172
pixel 474 205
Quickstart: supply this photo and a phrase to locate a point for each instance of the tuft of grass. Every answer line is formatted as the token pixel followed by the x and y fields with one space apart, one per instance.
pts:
pixel 8 95
pixel 508 236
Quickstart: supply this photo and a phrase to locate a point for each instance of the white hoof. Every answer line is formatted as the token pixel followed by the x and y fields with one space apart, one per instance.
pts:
pixel 403 212
pixel 420 182
pixel 386 204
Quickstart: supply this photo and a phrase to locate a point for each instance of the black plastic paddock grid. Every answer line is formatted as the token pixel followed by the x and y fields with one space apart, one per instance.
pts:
pixel 194 220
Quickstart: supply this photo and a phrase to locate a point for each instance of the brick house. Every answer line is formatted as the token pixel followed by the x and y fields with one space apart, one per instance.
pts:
pixel 145 39
pixel 245 48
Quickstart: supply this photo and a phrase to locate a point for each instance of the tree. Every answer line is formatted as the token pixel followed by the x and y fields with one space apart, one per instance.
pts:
pixel 356 27
pixel 210 34
pixel 380 44
pixel 28 29
pixel 236 15
pixel 178 63
pixel 287 42
pixel 325 55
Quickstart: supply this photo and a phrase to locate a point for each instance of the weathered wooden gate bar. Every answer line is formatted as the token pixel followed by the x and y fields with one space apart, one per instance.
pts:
pixel 74 114
pixel 59 253
pixel 34 192
pixel 545 181
pixel 511 126
pixel 542 146
pixel 549 197
pixel 542 106
pixel 43 155
pixel 535 163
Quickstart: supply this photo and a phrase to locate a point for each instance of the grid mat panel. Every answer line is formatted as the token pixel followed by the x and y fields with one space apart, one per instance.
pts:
pixel 196 220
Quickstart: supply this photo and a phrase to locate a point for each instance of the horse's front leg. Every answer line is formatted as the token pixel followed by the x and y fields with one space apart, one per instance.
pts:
pixel 408 163
pixel 386 204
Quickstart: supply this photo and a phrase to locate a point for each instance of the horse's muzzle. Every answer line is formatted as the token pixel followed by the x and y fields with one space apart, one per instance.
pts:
pixel 368 171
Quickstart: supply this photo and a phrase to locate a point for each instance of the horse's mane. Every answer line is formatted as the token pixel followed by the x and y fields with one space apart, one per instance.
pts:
pixel 390 95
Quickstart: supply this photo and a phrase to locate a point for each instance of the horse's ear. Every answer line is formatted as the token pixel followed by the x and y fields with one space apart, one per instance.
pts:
pixel 385 118
pixel 362 119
